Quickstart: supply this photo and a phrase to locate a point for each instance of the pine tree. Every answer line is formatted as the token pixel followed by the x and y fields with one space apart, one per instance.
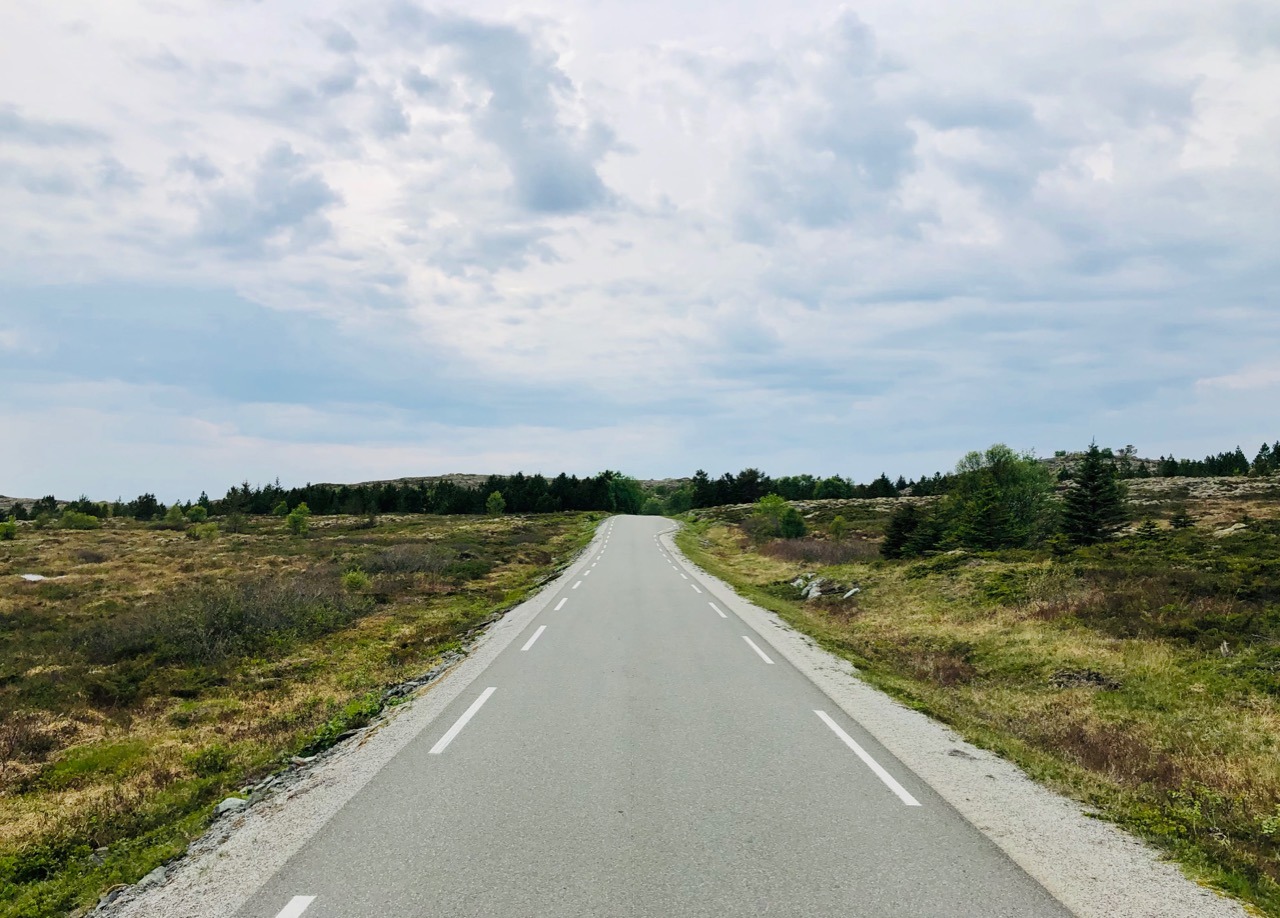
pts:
pixel 1094 506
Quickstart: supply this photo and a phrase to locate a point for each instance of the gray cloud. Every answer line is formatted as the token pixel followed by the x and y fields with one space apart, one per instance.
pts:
pixel 422 85
pixel 280 208
pixel 553 165
pixel 113 175
pixel 337 38
pixel 54 180
pixel 17 128
pixel 199 166
pixel 838 150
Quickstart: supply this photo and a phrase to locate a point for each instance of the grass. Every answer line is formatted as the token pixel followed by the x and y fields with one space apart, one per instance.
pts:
pixel 1140 677
pixel 155 673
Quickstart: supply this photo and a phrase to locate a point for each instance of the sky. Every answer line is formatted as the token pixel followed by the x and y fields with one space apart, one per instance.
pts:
pixel 341 241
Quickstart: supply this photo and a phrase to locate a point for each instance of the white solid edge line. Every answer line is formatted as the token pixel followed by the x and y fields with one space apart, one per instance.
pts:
pixel 537 634
pixel 695 588
pixel 717 608
pixel 560 604
pixel 763 655
pixel 576 585
pixel 297 905
pixel 871 763
pixel 461 722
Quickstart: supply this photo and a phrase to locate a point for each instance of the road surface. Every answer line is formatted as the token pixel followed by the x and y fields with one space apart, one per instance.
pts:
pixel 639 751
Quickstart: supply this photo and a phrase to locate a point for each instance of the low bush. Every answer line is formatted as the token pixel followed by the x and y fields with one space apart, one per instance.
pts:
pixel 821 551
pixel 74 519
pixel 407 559
pixel 209 761
pixel 210 623
pixel 203 531
pixel 8 531
pixel 355 581
pixel 298 521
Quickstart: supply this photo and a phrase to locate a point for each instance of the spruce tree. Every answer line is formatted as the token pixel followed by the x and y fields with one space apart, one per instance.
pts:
pixel 1094 506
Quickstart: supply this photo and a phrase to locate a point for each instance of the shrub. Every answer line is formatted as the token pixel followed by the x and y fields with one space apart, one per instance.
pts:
pixel 356 581
pixel 207 624
pixel 235 522
pixel 407 559
pixel 8 531
pixel 174 519
pixel 496 504
pixel 838 528
pixel 791 524
pixel 297 520
pixel 74 519
pixel 820 551
pixel 210 761
pixel 203 531
pixel 197 514
pixel 281 509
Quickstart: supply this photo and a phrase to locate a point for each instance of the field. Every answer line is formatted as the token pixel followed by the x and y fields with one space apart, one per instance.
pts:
pixel 1141 677
pixel 156 671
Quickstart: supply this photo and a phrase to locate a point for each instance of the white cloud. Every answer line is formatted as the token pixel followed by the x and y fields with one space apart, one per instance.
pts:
pixel 1024 218
pixel 1258 377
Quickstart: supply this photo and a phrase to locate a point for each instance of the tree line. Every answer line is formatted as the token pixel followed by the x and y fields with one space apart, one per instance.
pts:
pixel 614 492
pixel 609 491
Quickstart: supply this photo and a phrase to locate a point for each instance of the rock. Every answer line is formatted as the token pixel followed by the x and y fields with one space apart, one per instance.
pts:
pixel 853 592
pixel 230 805
pixel 33 578
pixel 1230 530
pixel 960 754
pixel 110 896
pixel 814 589
pixel 154 878
pixel 301 760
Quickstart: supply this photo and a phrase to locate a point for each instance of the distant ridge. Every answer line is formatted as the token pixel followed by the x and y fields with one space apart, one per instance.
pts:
pixel 472 481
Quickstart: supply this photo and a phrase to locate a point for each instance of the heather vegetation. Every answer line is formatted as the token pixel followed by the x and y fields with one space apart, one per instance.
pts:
pixel 1124 651
pixel 154 671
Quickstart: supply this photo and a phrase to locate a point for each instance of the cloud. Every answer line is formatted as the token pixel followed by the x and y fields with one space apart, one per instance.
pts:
pixel 889 236
pixel 1257 377
pixel 282 207
pixel 114 175
pixel 337 38
pixel 17 128
pixel 553 164
pixel 198 166
pixel 836 150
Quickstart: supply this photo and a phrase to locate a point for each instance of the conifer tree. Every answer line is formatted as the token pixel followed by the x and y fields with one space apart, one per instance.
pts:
pixel 1094 506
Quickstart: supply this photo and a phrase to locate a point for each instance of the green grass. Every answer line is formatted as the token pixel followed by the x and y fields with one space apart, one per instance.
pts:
pixel 1101 673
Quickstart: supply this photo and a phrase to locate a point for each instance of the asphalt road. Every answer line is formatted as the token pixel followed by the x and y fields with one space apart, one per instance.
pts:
pixel 639 752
